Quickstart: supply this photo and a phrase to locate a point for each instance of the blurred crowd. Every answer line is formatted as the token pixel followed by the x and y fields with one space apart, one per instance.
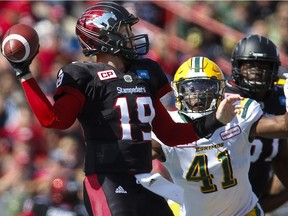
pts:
pixel 41 169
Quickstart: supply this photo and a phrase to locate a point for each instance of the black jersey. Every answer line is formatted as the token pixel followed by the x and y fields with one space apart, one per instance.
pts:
pixel 263 150
pixel 117 115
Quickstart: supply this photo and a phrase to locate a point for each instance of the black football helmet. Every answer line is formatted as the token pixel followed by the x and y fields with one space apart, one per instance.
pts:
pixel 255 50
pixel 98 32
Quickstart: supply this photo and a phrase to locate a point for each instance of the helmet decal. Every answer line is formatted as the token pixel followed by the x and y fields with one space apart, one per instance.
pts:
pixel 98 31
pixel 103 21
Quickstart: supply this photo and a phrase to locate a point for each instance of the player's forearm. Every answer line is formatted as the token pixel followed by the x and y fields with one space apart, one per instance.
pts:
pixel 272 202
pixel 168 131
pixel 49 116
pixel 206 126
pixel 172 133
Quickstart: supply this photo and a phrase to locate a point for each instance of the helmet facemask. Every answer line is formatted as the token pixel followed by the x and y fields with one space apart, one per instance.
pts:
pixel 130 46
pixel 199 96
pixel 255 76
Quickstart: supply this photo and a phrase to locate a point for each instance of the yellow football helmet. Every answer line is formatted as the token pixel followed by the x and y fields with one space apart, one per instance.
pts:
pixel 198 87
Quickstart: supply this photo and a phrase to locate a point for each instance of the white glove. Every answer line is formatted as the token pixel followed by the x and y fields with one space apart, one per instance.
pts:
pixel 285 87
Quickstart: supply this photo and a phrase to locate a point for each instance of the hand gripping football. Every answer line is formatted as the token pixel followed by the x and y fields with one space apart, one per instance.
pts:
pixel 20 43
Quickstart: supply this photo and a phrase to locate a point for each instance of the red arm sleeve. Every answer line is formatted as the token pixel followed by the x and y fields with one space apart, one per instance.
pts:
pixel 60 115
pixel 168 131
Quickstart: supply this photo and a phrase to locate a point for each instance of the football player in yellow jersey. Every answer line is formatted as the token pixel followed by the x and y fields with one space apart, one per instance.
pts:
pixel 214 170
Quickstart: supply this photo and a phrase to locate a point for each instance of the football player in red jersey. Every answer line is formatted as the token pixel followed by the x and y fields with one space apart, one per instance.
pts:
pixel 117 100
pixel 255 65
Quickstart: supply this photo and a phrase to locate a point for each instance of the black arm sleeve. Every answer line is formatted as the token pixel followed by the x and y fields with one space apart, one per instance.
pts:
pixel 205 126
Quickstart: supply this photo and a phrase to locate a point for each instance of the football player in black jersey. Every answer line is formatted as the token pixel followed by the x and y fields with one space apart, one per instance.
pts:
pixel 117 100
pixel 255 65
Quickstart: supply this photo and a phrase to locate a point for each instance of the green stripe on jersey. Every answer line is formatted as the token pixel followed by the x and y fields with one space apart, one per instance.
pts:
pixel 248 102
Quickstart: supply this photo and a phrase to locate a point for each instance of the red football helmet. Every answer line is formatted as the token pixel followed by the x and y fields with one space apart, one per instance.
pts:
pixel 98 32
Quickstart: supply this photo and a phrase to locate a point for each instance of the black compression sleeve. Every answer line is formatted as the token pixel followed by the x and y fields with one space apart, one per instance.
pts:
pixel 205 126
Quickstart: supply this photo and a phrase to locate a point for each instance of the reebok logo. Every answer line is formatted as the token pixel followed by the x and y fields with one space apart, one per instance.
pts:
pixel 120 190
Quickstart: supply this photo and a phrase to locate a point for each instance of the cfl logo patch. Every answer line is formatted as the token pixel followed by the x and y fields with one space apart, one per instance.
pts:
pixel 105 75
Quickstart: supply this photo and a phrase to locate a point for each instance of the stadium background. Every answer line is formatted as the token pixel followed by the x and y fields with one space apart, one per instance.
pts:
pixel 45 165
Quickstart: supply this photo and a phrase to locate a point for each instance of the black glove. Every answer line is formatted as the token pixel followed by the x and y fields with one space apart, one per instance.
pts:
pixel 22 68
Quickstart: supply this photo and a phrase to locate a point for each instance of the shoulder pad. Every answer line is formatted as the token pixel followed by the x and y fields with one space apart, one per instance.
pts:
pixel 281 81
pixel 251 109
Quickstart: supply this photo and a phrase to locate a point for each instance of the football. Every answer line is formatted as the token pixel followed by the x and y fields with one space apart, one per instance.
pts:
pixel 20 43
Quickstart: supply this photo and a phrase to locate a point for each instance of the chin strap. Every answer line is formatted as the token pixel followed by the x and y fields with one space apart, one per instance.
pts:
pixel 194 115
